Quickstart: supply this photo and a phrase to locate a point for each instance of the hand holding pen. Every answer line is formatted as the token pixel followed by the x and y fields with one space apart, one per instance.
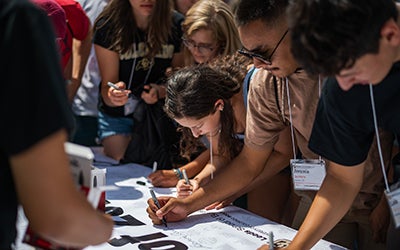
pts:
pixel 153 196
pixel 117 93
pixel 186 187
pixel 185 177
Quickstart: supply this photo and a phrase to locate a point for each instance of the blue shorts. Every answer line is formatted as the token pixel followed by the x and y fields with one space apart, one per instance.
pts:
pixel 110 125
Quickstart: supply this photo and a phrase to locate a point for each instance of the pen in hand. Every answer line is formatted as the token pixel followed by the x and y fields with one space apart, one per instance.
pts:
pixel 153 196
pixel 154 167
pixel 271 241
pixel 112 85
pixel 185 176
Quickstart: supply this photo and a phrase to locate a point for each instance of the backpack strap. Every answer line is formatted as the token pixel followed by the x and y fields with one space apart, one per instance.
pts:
pixel 246 83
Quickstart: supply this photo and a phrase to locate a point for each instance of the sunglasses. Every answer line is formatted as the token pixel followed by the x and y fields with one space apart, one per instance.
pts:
pixel 262 57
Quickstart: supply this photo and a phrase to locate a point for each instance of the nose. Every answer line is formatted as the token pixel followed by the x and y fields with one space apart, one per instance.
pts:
pixel 196 132
pixel 345 83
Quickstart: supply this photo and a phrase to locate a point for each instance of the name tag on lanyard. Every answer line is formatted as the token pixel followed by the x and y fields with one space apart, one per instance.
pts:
pixel 393 198
pixel 307 174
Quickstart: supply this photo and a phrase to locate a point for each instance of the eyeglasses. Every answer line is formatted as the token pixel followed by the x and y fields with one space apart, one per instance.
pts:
pixel 202 48
pixel 262 57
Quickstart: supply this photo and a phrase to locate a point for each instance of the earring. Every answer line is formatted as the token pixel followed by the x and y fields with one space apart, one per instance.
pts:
pixel 222 108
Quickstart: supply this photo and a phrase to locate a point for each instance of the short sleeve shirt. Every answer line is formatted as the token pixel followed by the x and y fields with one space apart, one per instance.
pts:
pixel 344 130
pixel 78 25
pixel 135 61
pixel 268 113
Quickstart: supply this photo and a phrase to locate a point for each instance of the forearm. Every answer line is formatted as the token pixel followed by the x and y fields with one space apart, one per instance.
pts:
pixel 80 55
pixel 234 177
pixel 329 206
pixel 210 170
pixel 274 165
pixel 83 226
pixel 50 198
pixel 194 167
pixel 109 70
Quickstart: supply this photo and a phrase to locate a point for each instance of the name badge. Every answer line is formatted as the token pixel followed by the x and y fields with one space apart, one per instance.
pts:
pixel 307 174
pixel 393 198
pixel 130 105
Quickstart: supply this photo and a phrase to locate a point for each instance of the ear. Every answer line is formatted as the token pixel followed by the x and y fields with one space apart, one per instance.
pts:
pixel 390 32
pixel 219 105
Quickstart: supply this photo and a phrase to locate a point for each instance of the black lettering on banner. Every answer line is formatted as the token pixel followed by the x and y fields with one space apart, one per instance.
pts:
pixel 129 221
pixel 113 211
pixel 126 239
pixel 171 244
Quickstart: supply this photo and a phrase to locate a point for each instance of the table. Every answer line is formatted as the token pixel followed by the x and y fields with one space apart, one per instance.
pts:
pixel 229 228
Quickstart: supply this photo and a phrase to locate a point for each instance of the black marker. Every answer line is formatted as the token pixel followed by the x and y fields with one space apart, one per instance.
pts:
pixel 153 196
pixel 141 183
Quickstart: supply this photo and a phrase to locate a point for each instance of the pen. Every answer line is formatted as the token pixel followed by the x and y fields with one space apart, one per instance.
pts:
pixel 271 240
pixel 112 85
pixel 185 176
pixel 154 166
pixel 141 183
pixel 153 196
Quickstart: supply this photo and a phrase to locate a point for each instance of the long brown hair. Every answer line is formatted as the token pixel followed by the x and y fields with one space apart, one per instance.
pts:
pixel 192 92
pixel 119 15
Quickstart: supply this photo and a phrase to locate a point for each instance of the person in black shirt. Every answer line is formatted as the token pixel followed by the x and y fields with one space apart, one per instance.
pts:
pixel 356 44
pixel 34 168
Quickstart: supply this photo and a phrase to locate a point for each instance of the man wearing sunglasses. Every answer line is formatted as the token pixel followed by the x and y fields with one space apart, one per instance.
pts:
pixel 281 95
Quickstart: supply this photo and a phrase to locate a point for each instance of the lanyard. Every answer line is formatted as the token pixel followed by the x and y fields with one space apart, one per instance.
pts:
pixel 290 113
pixel 134 65
pixel 377 137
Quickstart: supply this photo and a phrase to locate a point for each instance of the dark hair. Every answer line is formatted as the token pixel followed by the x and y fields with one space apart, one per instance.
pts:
pixel 330 35
pixel 118 14
pixel 192 92
pixel 235 65
pixel 270 11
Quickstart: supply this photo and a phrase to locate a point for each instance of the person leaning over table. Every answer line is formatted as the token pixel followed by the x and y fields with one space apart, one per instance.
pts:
pixel 267 114
pixel 344 126
pixel 209 31
pixel 192 97
pixel 34 168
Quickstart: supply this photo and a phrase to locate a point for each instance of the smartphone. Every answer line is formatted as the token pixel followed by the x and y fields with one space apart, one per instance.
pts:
pixel 112 85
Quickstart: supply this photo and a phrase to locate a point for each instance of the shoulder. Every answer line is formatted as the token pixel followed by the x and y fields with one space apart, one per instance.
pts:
pixel 259 77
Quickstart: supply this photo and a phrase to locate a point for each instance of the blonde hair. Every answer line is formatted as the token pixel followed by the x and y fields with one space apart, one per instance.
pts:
pixel 214 15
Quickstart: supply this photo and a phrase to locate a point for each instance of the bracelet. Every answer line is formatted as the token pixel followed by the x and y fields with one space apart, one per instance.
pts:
pixel 178 173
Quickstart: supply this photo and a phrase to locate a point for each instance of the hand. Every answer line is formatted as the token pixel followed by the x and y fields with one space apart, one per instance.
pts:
pixel 163 178
pixel 184 190
pixel 172 209
pixel 118 97
pixel 379 220
pixel 150 95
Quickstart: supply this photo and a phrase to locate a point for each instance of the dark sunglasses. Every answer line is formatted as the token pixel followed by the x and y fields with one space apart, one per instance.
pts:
pixel 262 57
